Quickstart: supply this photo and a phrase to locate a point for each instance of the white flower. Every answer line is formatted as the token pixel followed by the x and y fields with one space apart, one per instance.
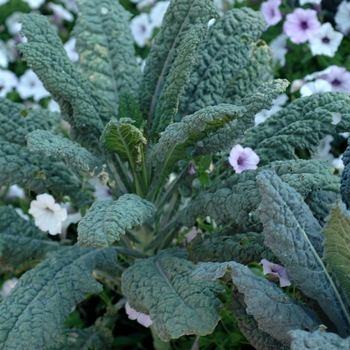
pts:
pixel 324 148
pixel 326 42
pixel 70 5
pixel 141 318
pixel 12 23
pixel 157 13
pixel 15 192
pixel 47 214
pixel 61 12
pixel 53 106
pixel 69 46
pixel 8 81
pixel 312 87
pixel 7 286
pixel 34 4
pixel 102 192
pixel 141 29
pixel 279 49
pixel 338 163
pixel 31 86
pixel 3 2
pixel 342 17
pixel 277 105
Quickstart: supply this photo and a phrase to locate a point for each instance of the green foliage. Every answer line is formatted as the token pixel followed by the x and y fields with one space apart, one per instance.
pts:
pixel 163 287
pixel 20 240
pixel 125 139
pixel 238 196
pixel 80 105
pixel 178 78
pixel 39 173
pixel 337 245
pixel 159 141
pixel 224 53
pixel 107 220
pixel 249 326
pixel 292 233
pixel 180 16
pixel 279 314
pixel 76 157
pixel 32 316
pixel 302 124
pixel 243 248
pixel 17 121
pixel 317 340
pixel 101 30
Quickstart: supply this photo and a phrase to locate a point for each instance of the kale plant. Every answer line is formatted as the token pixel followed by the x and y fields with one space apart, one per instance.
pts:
pixel 159 139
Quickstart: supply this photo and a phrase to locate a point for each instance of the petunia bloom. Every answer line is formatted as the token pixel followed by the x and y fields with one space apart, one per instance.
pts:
pixel 141 318
pixel 326 42
pixel 313 87
pixel 271 12
pixel 243 158
pixel 276 271
pixel 47 214
pixel 342 17
pixel 301 25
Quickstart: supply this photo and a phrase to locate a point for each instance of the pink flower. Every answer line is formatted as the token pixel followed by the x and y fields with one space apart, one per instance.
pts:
pixel 276 271
pixel 301 25
pixel 191 168
pixel 271 11
pixel 141 318
pixel 339 78
pixel 243 158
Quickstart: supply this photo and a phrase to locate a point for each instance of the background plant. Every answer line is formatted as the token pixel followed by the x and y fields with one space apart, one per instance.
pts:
pixel 139 133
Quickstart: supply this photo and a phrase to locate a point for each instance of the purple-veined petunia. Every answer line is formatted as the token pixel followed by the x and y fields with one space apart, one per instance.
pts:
pixel 276 271
pixel 301 25
pixel 243 158
pixel 271 12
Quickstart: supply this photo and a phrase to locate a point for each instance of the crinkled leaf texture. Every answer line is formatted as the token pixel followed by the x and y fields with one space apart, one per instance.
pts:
pixel 107 220
pixel 39 173
pixel 163 288
pixel 241 247
pixel 75 156
pixel 179 138
pixel 223 54
pixel 32 315
pixel 178 77
pixel 275 312
pixel 345 178
pixel 17 121
pixel 180 16
pixel 249 326
pixel 293 235
pixel 106 48
pixel 21 240
pixel 337 245
pixel 98 336
pixel 318 341
pixel 80 105
pixel 226 136
pixel 238 195
pixel 302 124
